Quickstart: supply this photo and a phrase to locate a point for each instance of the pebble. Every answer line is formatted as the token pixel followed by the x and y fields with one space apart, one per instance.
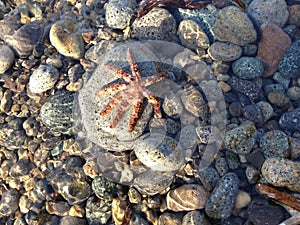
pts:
pixel 247 68
pixel 290 120
pixel 274 11
pixel 282 172
pixel 7 58
pixel 294 93
pixel 118 13
pixel 253 113
pixel 245 87
pixel 266 110
pixel 242 199
pixel 6 101
pixel 97 212
pixel 43 78
pixel 25 38
pixel 278 98
pixel 273 44
pixel 221 201
pixel 235 109
pixel 103 188
pixel 275 143
pixel 134 196
pixel 294 11
pixel 295 147
pixel 268 88
pixel 158 24
pixel 9 202
pixel 289 65
pixel 241 139
pixel 12 137
pixel 70 220
pixel 224 51
pixel 172 105
pixel 187 197
pixel 233 25
pixel 169 219
pixel 57 112
pixel 252 174
pixel 191 35
pixel 66 40
pixel 195 218
pixel 221 166
pixel 209 177
pixel 159 153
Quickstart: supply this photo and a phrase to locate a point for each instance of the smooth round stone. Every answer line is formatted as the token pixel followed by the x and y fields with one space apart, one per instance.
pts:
pixel 221 201
pixel 248 68
pixel 224 51
pixel 274 11
pixel 275 143
pixel 118 13
pixel 169 219
pixel 43 79
pixel 242 200
pixel 191 35
pixel 289 65
pixel 282 172
pixel 278 98
pixel 235 109
pixel 245 87
pixel 158 24
pixel 266 109
pixel 241 139
pixel 274 88
pixel 187 197
pixel 233 25
pixel 66 40
pixel 290 120
pixel 253 113
pixel 7 58
pixel 294 11
pixel 159 153
pixel 195 218
pixel 294 93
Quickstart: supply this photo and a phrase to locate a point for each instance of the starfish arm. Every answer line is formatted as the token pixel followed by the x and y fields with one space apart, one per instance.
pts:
pixel 153 79
pixel 111 88
pixel 119 113
pixel 120 73
pixel 137 108
pixel 155 102
pixel 135 69
pixel 112 102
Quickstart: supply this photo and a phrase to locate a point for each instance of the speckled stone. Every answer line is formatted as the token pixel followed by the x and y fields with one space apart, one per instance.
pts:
pixel 172 105
pixel 289 65
pixel 241 139
pixel 221 166
pixel 294 93
pixel 169 219
pixel 209 177
pixel 191 35
pixel 294 12
pixel 66 39
pixel 9 202
pixel 253 113
pixel 233 25
pixel 273 44
pixel 118 13
pixel 290 120
pixel 248 68
pixel 224 51
pixel 97 212
pixel 295 147
pixel 282 172
pixel 274 11
pixel 103 188
pixel 159 153
pixel 7 58
pixel 266 109
pixel 195 218
pixel 245 87
pixel 220 203
pixel 158 24
pixel 43 78
pixel 278 98
pixel 275 143
pixel 56 113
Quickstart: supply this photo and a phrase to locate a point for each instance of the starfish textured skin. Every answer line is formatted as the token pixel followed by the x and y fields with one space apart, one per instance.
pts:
pixel 132 91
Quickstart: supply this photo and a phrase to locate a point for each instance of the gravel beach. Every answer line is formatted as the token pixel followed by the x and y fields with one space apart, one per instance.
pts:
pixel 147 112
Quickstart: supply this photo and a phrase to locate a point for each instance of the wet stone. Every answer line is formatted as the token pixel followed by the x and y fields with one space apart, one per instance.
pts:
pixel 245 87
pixel 224 51
pixel 43 78
pixel 294 93
pixel 98 212
pixel 242 200
pixel 172 105
pixel 233 25
pixel 7 58
pixel 118 13
pixel 290 120
pixel 209 177
pixel 282 172
pixel 235 109
pixel 247 68
pixel 295 147
pixel 275 143
pixel 169 219
pixel 221 166
pixel 9 202
pixel 103 188
pixel 221 201
pixel 266 110
pixel 294 12
pixel 278 98
pixel 158 24
pixel 195 218
pixel 191 35
pixel 241 139
pixel 289 65
pixel 252 174
pixel 187 197
pixel 253 113
pixel 274 11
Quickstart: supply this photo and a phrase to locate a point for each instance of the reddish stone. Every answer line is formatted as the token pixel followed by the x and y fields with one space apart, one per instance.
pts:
pixel 273 44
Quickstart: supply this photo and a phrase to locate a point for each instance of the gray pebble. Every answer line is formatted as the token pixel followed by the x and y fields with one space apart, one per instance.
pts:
pixel 221 166
pixel 195 218
pixel 275 143
pixel 172 105
pixel 103 188
pixel 253 113
pixel 241 139
pixel 7 58
pixel 245 87
pixel 209 177
pixel 274 11
pixel 274 87
pixel 289 65
pixel 220 203
pixel 118 13
pixel 97 212
pixel 224 51
pixel 266 109
pixel 278 98
pixel 43 79
pixel 294 93
pixel 248 68
pixel 290 120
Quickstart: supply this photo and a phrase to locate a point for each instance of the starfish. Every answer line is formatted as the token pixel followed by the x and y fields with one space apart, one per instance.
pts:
pixel 131 91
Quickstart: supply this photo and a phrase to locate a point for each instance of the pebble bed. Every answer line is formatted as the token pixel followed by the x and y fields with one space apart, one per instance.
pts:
pixel 62 164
